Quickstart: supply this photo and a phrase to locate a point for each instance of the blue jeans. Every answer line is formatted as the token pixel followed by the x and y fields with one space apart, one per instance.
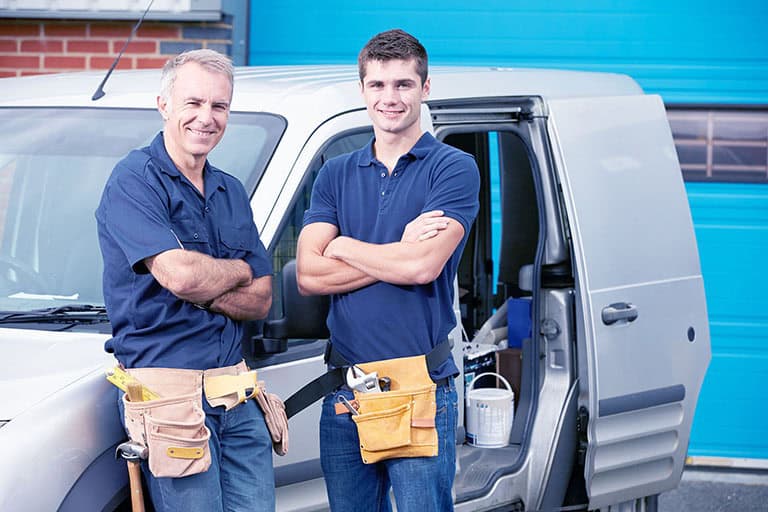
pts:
pixel 422 484
pixel 241 476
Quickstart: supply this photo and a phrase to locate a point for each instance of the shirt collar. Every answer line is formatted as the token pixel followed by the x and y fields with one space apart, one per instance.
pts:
pixel 423 146
pixel 157 149
pixel 419 150
pixel 366 157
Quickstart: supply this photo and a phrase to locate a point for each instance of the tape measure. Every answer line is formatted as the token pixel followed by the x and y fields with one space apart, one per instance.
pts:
pixel 121 379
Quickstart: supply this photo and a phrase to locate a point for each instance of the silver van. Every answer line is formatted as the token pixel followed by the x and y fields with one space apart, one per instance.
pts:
pixel 583 220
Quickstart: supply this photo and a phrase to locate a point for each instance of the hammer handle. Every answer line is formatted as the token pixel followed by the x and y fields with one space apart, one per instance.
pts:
pixel 137 493
pixel 134 392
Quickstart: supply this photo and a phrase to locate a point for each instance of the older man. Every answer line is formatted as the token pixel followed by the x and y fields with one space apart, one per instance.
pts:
pixel 183 268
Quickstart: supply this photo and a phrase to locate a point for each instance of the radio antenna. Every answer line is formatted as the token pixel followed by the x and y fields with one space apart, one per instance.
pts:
pixel 100 90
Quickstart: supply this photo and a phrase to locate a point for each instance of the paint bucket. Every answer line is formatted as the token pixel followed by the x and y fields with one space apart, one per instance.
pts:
pixel 489 413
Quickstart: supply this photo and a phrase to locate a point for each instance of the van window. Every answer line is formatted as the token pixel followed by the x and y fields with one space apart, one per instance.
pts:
pixel 284 249
pixel 53 166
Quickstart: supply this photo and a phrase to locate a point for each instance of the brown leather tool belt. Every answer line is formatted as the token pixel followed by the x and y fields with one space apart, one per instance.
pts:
pixel 172 426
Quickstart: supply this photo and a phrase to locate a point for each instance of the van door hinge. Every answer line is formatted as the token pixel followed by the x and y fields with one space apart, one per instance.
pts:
pixel 582 420
pixel 549 329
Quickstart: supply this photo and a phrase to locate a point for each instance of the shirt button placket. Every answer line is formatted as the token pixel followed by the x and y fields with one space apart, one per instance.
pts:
pixel 383 189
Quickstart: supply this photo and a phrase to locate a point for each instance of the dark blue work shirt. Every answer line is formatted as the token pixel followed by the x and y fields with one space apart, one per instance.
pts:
pixel 148 207
pixel 355 193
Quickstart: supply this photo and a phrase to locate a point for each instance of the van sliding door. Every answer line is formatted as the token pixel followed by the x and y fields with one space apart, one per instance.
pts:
pixel 643 337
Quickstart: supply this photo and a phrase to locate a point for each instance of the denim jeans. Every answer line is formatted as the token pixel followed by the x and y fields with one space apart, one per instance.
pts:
pixel 422 484
pixel 241 476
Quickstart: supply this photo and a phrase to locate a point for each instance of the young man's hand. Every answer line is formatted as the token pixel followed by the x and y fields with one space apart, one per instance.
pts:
pixel 425 226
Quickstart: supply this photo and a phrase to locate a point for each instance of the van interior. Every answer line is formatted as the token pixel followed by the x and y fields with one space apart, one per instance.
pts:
pixel 489 281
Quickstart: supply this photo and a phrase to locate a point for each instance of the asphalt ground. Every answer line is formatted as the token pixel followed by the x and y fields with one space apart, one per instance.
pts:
pixel 700 490
pixel 718 490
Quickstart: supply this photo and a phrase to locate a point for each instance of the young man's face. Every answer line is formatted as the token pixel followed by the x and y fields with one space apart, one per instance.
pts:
pixel 196 114
pixel 393 93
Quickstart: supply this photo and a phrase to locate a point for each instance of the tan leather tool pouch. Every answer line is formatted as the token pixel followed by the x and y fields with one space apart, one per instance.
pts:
pixel 399 422
pixel 275 418
pixel 171 427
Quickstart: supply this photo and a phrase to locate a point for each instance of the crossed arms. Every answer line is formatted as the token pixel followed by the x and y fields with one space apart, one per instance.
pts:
pixel 328 264
pixel 198 278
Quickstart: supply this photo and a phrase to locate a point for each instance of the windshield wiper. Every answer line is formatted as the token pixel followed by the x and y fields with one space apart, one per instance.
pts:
pixel 72 313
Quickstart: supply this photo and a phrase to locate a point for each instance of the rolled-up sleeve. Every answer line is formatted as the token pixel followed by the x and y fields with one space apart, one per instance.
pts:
pixel 134 215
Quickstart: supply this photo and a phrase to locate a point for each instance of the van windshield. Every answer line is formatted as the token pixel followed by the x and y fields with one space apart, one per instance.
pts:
pixel 53 166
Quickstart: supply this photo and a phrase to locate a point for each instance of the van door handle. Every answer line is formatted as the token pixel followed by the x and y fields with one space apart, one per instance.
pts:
pixel 619 311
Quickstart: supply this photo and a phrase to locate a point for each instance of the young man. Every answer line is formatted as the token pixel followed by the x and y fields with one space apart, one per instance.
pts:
pixel 183 268
pixel 383 236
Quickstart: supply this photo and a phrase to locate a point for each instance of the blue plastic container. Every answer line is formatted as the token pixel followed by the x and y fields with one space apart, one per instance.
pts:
pixel 518 321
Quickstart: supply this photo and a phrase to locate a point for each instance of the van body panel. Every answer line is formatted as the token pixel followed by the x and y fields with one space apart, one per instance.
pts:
pixel 329 89
pixel 642 331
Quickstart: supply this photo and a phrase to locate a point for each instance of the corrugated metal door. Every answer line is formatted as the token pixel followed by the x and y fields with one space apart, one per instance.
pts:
pixel 685 50
pixel 731 223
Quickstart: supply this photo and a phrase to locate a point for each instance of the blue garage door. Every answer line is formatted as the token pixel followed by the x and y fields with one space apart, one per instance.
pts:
pixel 731 222
pixel 724 157
pixel 692 52
pixel 689 51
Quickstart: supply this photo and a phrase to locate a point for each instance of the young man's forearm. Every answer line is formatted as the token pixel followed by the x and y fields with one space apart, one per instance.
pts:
pixel 402 263
pixel 326 276
pixel 319 275
pixel 322 274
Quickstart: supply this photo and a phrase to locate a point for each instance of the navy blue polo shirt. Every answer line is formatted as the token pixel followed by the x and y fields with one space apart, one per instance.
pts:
pixel 148 207
pixel 355 193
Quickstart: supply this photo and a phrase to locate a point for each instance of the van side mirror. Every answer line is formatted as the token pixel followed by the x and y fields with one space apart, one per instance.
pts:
pixel 303 318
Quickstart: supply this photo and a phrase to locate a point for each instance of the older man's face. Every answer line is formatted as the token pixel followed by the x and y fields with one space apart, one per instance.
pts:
pixel 196 114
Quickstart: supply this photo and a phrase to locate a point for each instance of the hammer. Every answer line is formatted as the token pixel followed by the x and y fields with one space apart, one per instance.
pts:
pixel 134 453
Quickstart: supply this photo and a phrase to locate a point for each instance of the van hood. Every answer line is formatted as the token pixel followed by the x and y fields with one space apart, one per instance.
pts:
pixel 37 364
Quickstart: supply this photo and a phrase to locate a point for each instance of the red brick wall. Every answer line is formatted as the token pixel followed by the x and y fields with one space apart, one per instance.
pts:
pixel 31 47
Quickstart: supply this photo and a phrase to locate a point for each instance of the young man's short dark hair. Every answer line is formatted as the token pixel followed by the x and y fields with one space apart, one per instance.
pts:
pixel 393 44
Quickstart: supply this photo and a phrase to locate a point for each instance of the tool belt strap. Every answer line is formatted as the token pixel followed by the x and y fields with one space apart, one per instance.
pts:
pixel 334 379
pixel 230 385
pixel 218 386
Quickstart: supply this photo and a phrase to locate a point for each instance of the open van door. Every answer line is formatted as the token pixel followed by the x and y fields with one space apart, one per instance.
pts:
pixel 643 337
